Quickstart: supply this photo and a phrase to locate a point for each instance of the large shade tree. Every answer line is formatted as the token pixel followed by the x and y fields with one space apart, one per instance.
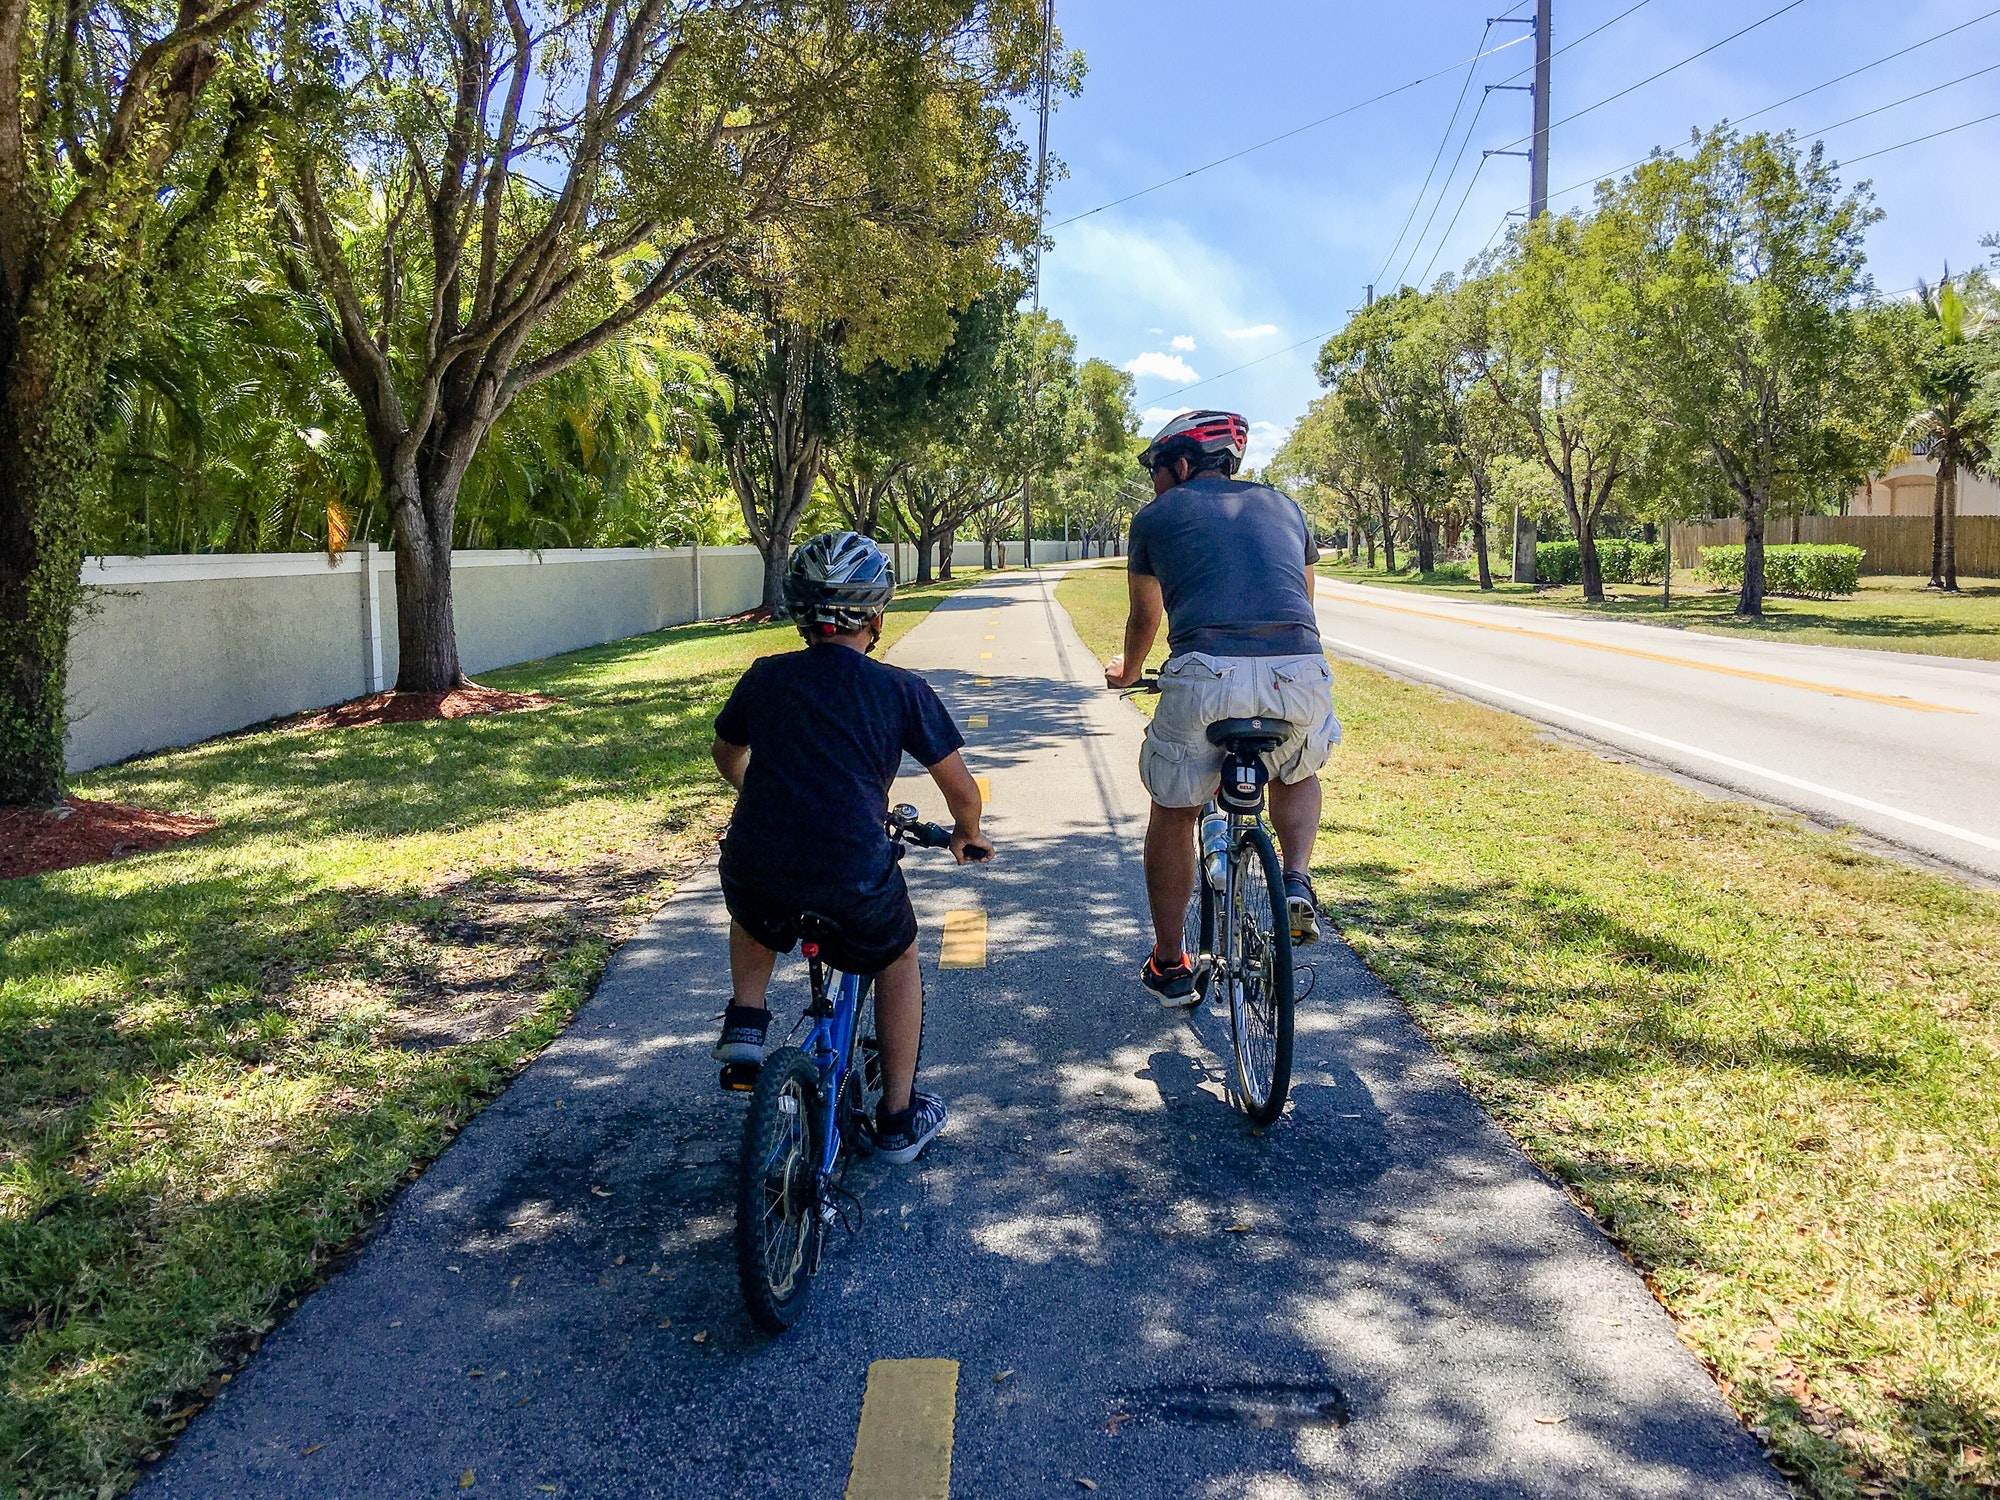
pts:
pixel 503 187
pixel 110 153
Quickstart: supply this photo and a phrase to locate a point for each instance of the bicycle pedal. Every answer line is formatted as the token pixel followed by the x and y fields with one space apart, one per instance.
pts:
pixel 740 1077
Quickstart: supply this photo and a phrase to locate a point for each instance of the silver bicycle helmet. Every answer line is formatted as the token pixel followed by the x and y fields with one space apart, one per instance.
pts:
pixel 837 582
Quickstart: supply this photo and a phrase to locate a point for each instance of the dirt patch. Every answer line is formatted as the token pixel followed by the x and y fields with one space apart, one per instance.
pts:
pixel 38 841
pixel 461 702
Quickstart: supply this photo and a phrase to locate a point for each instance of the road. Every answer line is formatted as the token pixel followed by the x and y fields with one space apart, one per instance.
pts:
pixel 1900 746
pixel 1098 1279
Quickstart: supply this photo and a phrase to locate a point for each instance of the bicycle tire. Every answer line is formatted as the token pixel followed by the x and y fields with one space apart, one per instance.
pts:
pixel 1260 1024
pixel 778 1226
pixel 1198 927
pixel 861 1088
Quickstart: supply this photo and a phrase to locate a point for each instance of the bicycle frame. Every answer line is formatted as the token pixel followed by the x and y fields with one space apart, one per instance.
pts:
pixel 831 1047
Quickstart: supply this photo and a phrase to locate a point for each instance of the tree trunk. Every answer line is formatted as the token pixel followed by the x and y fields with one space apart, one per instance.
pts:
pixel 1479 533
pixel 1426 546
pixel 1371 551
pixel 1937 530
pixel 1593 570
pixel 1388 536
pixel 946 542
pixel 1750 601
pixel 426 631
pixel 1526 536
pixel 1950 547
pixel 54 369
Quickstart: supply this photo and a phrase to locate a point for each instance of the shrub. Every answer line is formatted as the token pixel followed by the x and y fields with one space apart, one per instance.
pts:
pixel 1809 571
pixel 1451 572
pixel 1618 560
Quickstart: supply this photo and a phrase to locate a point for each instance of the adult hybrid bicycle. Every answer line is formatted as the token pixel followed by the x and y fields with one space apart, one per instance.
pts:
pixel 809 1114
pixel 1238 930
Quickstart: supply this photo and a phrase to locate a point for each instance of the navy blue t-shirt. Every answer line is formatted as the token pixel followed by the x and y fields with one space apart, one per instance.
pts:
pixel 827 729
pixel 1234 562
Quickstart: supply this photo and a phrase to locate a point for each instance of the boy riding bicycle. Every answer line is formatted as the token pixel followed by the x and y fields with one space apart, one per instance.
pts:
pixel 812 740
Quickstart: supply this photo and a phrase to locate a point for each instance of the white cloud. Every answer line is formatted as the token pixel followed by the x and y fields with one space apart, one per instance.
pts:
pixel 1265 440
pixel 1254 331
pixel 1153 418
pixel 1164 366
pixel 1157 332
pixel 1183 343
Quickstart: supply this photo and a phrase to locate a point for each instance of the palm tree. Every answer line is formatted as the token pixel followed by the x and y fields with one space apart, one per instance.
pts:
pixel 1950 425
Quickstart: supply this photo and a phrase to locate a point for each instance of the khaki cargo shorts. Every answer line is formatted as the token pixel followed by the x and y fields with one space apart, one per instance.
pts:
pixel 1177 763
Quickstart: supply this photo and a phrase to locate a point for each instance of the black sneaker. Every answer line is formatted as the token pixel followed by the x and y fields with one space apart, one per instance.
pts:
pixel 1303 907
pixel 1174 986
pixel 743 1031
pixel 901 1138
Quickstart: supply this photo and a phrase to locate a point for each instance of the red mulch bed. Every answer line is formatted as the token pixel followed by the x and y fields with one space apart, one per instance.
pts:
pixel 412 708
pixel 34 841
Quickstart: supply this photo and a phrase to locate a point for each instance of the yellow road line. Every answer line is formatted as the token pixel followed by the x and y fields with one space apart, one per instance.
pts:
pixel 1916 705
pixel 902 1450
pixel 992 638
pixel 975 721
pixel 964 943
pixel 985 788
pixel 982 682
pixel 986 656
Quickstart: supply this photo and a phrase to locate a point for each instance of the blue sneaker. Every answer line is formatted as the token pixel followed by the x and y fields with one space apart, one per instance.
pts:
pixel 901 1138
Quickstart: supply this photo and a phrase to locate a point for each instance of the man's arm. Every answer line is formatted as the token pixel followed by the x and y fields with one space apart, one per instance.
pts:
pixel 1142 625
pixel 961 795
pixel 731 760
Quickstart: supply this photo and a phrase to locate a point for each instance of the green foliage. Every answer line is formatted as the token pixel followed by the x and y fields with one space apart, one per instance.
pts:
pixel 1807 571
pixel 1619 561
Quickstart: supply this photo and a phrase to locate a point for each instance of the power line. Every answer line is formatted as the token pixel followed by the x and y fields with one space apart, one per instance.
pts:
pixel 1919 140
pixel 1444 140
pixel 1288 134
pixel 1409 259
pixel 1445 238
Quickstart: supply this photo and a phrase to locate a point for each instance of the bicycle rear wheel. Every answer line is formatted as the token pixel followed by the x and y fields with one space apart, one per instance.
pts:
pixel 1258 965
pixel 777 1191
pixel 1199 938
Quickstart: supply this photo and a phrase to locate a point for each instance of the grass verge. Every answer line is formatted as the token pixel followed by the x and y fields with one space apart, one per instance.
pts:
pixel 1889 614
pixel 217 1062
pixel 1768 1064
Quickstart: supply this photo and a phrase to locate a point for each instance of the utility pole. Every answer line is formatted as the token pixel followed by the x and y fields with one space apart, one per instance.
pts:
pixel 1041 197
pixel 1538 204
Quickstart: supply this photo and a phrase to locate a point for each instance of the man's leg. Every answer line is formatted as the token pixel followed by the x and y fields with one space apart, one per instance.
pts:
pixel 1295 814
pixel 750 965
pixel 1170 872
pixel 899 1027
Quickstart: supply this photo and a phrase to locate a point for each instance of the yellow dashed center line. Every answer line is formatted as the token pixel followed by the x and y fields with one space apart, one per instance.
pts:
pixel 903 1448
pixel 975 721
pixel 985 788
pixel 982 682
pixel 986 656
pixel 1916 705
pixel 964 942
pixel 992 638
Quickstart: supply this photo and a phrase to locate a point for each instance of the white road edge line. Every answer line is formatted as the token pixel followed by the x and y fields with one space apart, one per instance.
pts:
pixel 1917 820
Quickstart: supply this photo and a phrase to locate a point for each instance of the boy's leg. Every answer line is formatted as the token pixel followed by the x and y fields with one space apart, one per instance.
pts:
pixel 899 1027
pixel 750 965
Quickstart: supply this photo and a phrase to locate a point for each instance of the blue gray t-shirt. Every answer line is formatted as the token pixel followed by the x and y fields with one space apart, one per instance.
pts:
pixel 1233 560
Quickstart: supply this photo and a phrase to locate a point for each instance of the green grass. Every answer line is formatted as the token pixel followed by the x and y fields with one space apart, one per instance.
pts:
pixel 217 1062
pixel 1767 1063
pixel 1889 614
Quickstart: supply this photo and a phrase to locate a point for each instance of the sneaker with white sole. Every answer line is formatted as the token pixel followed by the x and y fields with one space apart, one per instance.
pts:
pixel 1173 985
pixel 1302 905
pixel 901 1137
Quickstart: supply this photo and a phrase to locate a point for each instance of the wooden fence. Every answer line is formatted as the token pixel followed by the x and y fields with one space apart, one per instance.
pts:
pixel 1894 544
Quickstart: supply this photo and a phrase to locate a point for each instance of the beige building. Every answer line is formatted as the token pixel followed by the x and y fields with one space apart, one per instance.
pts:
pixel 1910 489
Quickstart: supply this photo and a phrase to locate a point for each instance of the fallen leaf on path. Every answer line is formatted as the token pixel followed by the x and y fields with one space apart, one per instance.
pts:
pixel 653 1269
pixel 454 1270
pixel 1551 1421
pixel 1116 1420
pixel 514 1283
pixel 702 1337
pixel 475 1374
pixel 465 1480
pixel 598 1192
pixel 666 1322
pixel 619 1262
pixel 1237 1229
pixel 1003 1375
pixel 1086 1484
pixel 546 1489
pixel 309 1452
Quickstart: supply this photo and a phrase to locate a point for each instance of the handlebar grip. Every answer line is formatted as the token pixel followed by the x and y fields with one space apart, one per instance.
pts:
pixel 932 835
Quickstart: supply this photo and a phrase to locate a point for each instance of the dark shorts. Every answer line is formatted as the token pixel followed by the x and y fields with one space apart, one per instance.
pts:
pixel 875 926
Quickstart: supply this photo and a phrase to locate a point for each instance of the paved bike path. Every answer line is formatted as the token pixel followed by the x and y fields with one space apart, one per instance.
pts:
pixel 1377 1297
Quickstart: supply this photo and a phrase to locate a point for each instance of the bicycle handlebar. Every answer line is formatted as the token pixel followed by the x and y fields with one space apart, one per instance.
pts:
pixel 905 825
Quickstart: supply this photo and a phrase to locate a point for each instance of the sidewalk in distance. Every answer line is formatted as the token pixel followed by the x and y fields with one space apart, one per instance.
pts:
pixel 1766 1062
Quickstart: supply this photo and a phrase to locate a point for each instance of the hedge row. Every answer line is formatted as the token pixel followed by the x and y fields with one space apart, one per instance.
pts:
pixel 1619 561
pixel 1809 571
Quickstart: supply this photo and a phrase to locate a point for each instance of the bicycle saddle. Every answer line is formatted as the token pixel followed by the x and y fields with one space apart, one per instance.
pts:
pixel 1248 736
pixel 817 929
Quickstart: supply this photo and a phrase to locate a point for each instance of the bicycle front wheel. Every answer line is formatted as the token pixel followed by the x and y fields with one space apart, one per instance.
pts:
pixel 1199 938
pixel 1258 969
pixel 777 1191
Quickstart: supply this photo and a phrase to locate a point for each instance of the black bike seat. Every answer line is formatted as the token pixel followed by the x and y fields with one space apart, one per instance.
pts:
pixel 817 929
pixel 1248 736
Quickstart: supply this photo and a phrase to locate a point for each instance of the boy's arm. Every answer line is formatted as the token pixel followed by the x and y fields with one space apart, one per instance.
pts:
pixel 1142 624
pixel 731 760
pixel 961 795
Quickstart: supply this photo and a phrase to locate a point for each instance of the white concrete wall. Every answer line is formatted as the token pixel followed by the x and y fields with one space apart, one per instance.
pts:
pixel 171 650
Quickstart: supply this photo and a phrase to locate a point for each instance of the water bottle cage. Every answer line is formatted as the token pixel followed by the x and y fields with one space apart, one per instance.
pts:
pixel 1243 781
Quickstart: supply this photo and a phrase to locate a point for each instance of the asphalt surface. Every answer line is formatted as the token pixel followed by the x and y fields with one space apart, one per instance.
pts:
pixel 1378 1296
pixel 1901 746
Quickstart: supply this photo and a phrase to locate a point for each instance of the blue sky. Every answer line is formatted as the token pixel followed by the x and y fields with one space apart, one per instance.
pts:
pixel 1235 264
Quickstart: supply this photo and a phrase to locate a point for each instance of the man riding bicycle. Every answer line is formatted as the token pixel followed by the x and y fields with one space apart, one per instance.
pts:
pixel 1228 564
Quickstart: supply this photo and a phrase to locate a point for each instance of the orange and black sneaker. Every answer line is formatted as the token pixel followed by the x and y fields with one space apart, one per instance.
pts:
pixel 1174 985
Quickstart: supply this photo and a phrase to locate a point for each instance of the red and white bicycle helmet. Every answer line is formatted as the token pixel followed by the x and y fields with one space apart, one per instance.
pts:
pixel 1208 432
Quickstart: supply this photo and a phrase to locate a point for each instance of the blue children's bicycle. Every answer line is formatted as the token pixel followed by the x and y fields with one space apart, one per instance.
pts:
pixel 811 1107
